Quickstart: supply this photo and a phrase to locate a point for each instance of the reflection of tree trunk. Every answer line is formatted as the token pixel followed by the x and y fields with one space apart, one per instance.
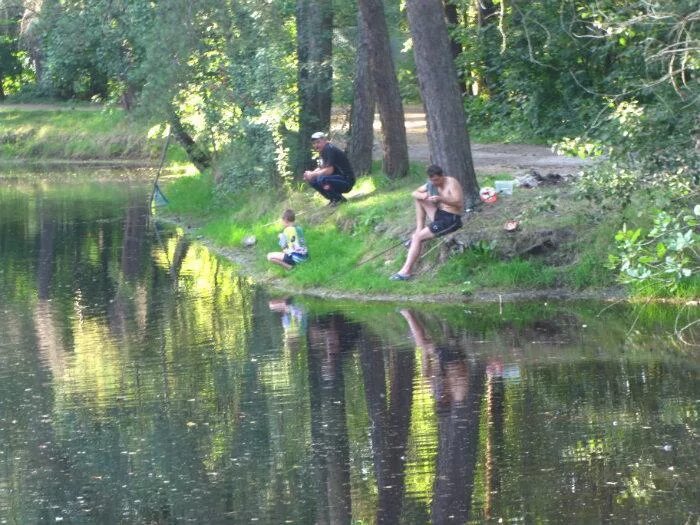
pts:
pixel 49 340
pixel 495 394
pixel 47 228
pixel 134 235
pixel 458 436
pixel 181 248
pixel 329 433
pixel 362 113
pixel 390 423
pixel 48 335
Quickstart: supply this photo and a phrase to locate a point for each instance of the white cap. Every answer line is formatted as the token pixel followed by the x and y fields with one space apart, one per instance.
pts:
pixel 318 135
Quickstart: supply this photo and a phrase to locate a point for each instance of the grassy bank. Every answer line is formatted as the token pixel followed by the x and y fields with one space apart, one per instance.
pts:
pixel 357 246
pixel 73 133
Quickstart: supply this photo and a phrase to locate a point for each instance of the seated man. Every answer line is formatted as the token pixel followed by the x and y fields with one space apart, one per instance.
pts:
pixel 334 175
pixel 442 201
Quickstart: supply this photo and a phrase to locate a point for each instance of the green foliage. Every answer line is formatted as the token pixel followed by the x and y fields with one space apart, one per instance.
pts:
pixel 662 258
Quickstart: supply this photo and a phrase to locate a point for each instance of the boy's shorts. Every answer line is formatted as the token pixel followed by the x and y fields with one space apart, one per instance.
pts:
pixel 293 259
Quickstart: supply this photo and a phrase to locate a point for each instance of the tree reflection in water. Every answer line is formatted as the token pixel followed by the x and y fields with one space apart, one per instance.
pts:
pixel 154 384
pixel 331 338
pixel 457 383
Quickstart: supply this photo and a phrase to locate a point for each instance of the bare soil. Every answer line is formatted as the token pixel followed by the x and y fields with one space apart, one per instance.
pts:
pixel 489 159
pixel 515 159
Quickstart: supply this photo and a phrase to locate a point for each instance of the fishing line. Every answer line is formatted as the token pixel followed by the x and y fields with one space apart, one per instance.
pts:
pixel 160 168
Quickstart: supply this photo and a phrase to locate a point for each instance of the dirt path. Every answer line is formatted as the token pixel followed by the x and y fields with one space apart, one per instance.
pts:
pixel 514 159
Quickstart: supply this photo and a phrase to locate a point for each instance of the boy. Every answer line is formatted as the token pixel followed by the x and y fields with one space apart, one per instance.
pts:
pixel 292 242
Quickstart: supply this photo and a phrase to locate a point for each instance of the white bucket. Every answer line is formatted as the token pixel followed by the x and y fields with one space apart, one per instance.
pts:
pixel 504 187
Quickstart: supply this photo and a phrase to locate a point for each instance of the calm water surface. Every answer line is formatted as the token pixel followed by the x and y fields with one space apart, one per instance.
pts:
pixel 142 380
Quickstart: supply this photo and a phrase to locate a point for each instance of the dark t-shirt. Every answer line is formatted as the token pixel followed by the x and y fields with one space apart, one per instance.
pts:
pixel 332 155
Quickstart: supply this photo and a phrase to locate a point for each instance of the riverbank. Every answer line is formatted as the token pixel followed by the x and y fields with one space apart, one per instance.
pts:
pixel 75 133
pixel 559 248
pixel 555 253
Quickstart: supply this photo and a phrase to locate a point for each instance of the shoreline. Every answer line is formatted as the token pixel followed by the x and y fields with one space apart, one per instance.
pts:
pixel 242 259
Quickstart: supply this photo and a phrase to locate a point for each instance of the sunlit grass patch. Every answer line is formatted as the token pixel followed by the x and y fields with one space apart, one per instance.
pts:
pixel 66 134
pixel 191 194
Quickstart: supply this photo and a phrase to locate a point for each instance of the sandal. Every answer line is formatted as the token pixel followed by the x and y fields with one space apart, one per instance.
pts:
pixel 398 277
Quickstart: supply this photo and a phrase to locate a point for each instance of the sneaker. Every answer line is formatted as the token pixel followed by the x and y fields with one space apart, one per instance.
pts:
pixel 398 277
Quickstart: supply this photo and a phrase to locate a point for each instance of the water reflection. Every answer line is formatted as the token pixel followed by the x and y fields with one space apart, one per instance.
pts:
pixel 143 380
pixel 458 386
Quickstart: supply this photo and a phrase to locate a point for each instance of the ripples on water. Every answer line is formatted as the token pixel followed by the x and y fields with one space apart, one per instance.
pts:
pixel 143 381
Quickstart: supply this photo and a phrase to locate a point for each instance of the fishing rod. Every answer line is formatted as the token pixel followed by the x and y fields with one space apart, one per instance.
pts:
pixel 160 168
pixel 402 241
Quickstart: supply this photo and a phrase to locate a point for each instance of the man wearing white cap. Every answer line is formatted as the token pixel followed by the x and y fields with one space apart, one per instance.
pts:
pixel 334 175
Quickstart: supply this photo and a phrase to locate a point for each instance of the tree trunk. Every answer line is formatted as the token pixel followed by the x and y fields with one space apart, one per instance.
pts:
pixel 199 157
pixel 386 89
pixel 362 112
pixel 314 53
pixel 486 18
pixel 448 136
pixel 452 18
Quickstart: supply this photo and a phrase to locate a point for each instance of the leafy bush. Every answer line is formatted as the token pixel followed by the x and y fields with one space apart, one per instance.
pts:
pixel 662 258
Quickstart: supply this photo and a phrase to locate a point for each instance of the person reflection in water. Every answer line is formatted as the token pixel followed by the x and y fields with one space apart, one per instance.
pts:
pixel 457 386
pixel 293 319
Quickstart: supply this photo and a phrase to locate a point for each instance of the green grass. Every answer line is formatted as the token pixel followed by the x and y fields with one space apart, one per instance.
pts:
pixel 380 215
pixel 67 134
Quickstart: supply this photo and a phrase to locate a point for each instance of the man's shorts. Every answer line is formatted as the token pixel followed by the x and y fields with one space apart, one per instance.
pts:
pixel 294 258
pixel 445 222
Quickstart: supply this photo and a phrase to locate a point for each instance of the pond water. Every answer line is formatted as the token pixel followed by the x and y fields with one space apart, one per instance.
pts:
pixel 144 380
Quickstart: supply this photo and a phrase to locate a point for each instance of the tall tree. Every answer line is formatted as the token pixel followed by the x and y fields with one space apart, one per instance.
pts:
pixel 386 89
pixel 314 53
pixel 448 136
pixel 362 112
pixel 452 16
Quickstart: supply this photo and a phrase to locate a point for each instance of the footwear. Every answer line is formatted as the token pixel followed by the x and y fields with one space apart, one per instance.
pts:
pixel 398 277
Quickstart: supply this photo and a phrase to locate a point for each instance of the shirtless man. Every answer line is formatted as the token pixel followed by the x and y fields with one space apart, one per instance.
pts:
pixel 442 201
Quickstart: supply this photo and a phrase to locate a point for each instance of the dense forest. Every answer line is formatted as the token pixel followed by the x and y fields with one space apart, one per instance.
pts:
pixel 242 84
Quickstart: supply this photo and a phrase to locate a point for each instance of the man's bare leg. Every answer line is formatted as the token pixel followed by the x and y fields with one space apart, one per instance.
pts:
pixel 414 250
pixel 423 209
